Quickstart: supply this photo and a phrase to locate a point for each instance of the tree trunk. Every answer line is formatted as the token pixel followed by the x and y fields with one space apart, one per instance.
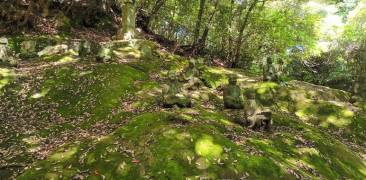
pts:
pixel 127 29
pixel 199 21
pixel 241 33
pixel 144 19
pixel 203 39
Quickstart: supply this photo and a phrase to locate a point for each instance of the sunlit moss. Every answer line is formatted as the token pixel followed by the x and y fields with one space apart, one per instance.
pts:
pixel 41 94
pixel 64 156
pixel 6 76
pixel 207 148
pixel 66 59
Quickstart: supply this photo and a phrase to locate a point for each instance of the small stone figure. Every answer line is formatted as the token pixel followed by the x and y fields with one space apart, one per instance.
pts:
pixel 269 72
pixel 4 50
pixel 190 76
pixel 232 95
pixel 257 116
pixel 262 119
pixel 172 94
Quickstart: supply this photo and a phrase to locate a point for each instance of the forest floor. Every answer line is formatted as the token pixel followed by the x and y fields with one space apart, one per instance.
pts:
pixel 68 117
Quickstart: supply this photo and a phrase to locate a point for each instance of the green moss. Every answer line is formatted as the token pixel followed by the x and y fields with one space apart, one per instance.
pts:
pixel 214 77
pixel 6 77
pixel 153 146
pixel 93 91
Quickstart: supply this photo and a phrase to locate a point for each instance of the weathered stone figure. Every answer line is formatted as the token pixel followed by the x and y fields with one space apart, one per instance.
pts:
pixel 4 49
pixel 172 94
pixel 261 119
pixel 232 95
pixel 257 116
pixel 6 56
pixel 269 72
pixel 190 76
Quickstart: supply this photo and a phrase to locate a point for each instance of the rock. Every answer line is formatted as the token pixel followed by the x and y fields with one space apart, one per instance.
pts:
pixel 13 61
pixel 232 95
pixel 172 94
pixel 177 99
pixel 53 50
pixel 28 49
pixel 4 49
pixel 104 55
pixel 4 40
pixel 85 48
pixel 74 46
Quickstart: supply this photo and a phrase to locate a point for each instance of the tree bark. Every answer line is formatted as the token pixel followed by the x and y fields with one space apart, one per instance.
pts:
pixel 241 33
pixel 203 39
pixel 199 22
pixel 128 26
pixel 144 19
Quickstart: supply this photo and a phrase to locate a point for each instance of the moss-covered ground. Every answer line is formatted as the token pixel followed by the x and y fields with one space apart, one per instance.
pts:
pixel 80 119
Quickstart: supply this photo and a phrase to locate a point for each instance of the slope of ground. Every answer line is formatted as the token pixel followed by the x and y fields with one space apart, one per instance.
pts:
pixel 103 120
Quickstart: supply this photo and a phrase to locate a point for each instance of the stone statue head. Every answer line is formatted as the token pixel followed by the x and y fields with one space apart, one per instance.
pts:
pixel 250 93
pixel 233 80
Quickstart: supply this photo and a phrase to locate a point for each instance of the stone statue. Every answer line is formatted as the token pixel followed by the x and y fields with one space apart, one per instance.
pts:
pixel 232 95
pixel 257 116
pixel 172 94
pixel 269 72
pixel 4 50
pixel 190 77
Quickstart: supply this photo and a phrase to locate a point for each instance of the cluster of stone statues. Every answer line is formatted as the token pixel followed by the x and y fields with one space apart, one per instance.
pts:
pixel 255 115
pixel 176 93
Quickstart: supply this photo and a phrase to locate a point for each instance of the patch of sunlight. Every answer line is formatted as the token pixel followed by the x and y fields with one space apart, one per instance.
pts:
pixel 292 161
pixel 129 36
pixel 338 122
pixel 66 59
pixel 170 133
pixel 122 54
pixel 32 140
pixel 269 85
pixel 91 159
pixel 307 150
pixel 218 70
pixel 73 52
pixel 43 93
pixel 302 115
pixel 5 76
pixel 63 156
pixel 85 73
pixel 265 87
pixel 206 148
pixel 183 136
pixel 347 113
pixel 283 106
pixel 104 138
pixel 51 176
pixel 262 90
pixel 123 169
pixel 226 122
